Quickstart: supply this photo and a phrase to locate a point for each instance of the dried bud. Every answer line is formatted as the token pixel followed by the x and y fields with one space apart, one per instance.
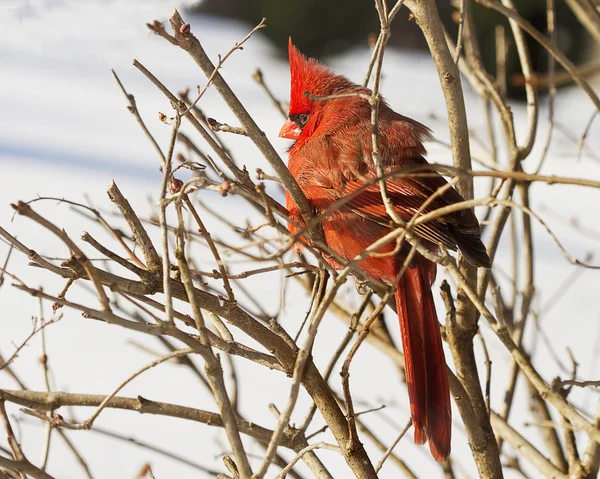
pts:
pixel 144 471
pixel 155 25
pixel 456 17
pixel 224 188
pixel 44 359
pixel 180 157
pixel 176 185
pixel 183 94
pixel 231 465
pixel 372 40
pixel 258 76
pixel 162 117
pixel 185 28
pixel 57 417
pixel 411 17
pixel 56 306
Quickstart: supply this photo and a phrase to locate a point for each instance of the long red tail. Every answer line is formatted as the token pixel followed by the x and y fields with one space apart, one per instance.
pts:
pixel 424 360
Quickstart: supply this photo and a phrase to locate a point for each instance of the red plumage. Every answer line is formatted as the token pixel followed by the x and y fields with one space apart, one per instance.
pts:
pixel 332 157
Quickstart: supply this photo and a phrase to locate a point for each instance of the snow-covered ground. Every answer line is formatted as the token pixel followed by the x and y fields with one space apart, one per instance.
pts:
pixel 65 132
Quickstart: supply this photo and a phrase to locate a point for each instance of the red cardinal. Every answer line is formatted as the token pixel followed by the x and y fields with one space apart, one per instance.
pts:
pixel 331 159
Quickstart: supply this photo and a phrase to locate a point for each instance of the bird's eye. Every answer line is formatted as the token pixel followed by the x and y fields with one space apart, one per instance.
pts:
pixel 303 119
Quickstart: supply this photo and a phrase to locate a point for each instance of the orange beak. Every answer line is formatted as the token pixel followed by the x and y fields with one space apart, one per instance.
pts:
pixel 290 130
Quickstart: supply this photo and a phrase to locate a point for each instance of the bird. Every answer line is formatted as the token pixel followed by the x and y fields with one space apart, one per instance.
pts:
pixel 332 159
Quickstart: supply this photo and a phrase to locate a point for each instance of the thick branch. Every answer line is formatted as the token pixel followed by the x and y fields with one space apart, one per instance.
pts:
pixel 50 401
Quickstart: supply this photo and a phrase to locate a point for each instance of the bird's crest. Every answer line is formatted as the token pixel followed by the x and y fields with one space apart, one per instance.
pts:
pixel 308 75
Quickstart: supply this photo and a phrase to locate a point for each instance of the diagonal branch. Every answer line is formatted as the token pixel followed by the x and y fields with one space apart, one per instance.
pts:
pixel 187 41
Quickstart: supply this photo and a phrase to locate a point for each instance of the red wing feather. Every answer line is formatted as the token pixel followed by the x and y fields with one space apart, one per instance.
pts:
pixel 407 199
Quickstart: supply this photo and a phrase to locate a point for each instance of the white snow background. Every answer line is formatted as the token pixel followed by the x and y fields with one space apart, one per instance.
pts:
pixel 65 132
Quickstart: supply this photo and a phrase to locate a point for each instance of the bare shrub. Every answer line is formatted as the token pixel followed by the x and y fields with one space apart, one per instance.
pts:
pixel 152 284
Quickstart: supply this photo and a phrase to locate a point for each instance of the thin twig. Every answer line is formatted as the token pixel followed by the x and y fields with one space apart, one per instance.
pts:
pixel 318 445
pixel 393 445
